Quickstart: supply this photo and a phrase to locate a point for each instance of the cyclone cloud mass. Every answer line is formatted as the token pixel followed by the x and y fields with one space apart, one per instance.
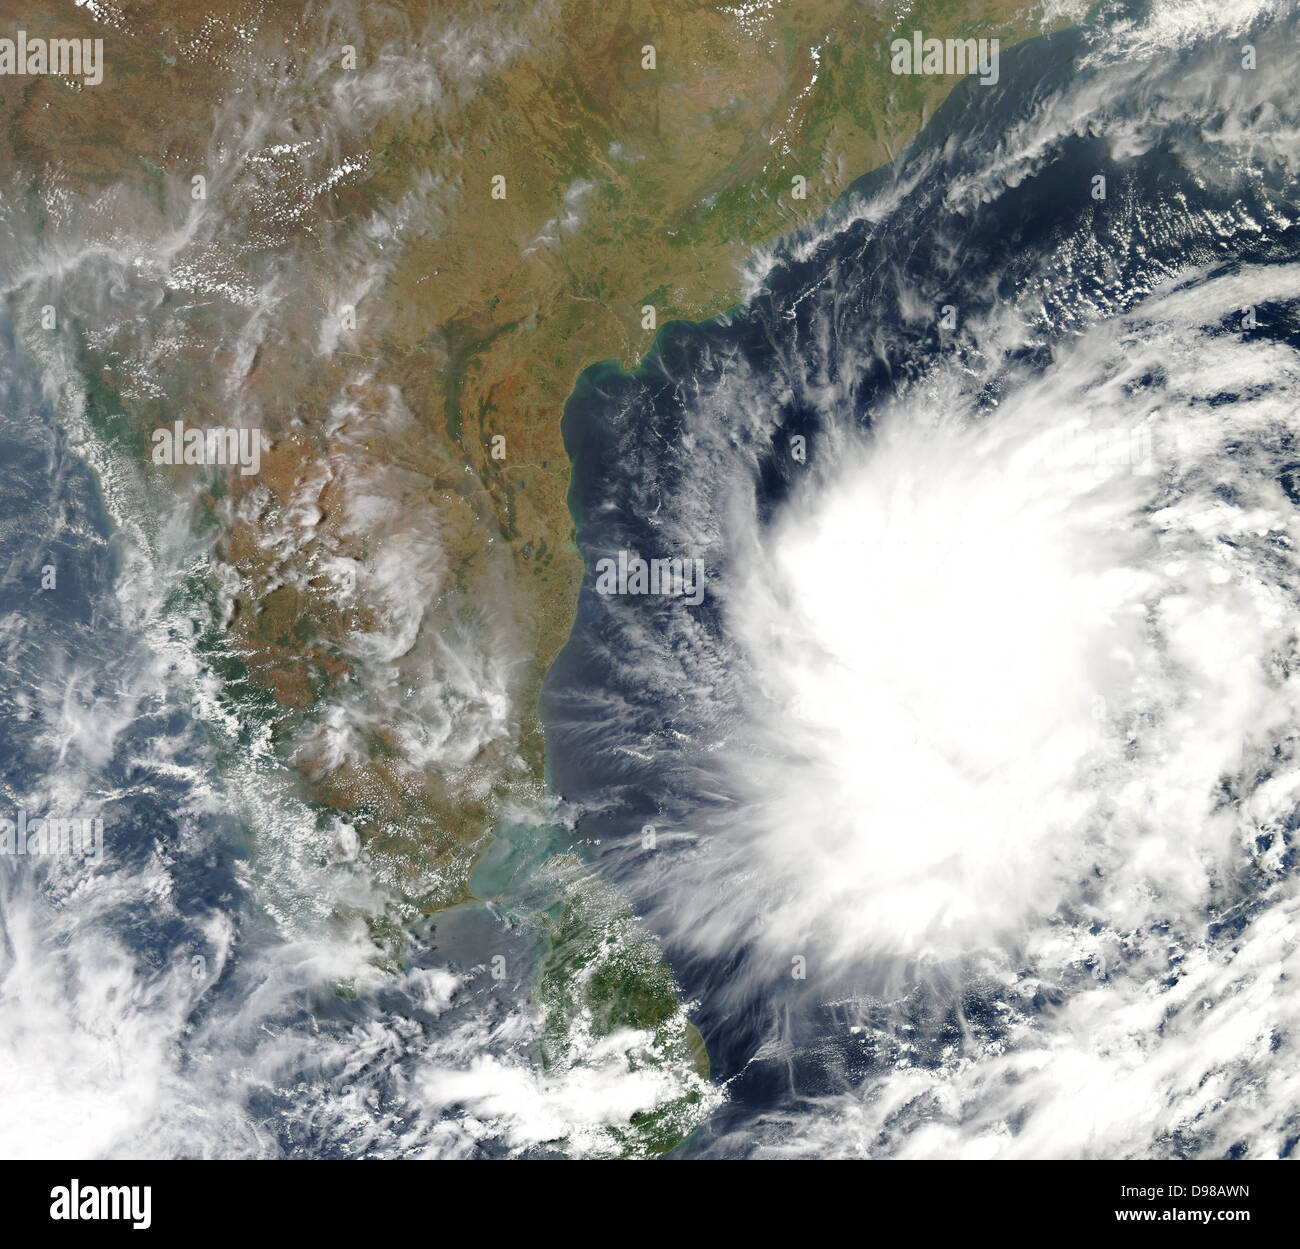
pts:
pixel 978 774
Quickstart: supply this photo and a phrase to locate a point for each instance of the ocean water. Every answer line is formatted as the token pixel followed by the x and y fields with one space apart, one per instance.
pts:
pixel 973 777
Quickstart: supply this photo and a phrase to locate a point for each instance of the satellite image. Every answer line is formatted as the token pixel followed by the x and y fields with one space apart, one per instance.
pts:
pixel 649 579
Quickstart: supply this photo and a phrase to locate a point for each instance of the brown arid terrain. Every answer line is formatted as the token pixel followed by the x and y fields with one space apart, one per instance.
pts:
pixel 390 237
